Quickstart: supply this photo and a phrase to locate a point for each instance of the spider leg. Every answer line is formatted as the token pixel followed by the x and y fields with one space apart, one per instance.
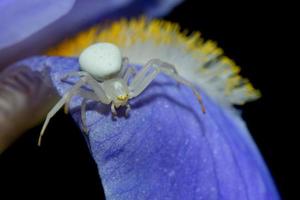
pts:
pixel 97 88
pixel 164 66
pixel 130 71
pixel 50 114
pixel 98 95
pixel 72 74
pixel 113 109
pixel 127 70
pixel 75 89
pixel 136 87
pixel 66 106
pixel 128 108
pixel 125 62
pixel 185 82
pixel 86 95
pixel 57 106
pixel 151 70
pixel 153 64
pixel 83 115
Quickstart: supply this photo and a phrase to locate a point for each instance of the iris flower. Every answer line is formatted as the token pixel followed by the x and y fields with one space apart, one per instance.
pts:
pixel 27 28
pixel 167 148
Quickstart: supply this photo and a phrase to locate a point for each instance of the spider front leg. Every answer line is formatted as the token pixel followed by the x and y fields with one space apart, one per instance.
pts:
pixel 74 74
pixel 65 100
pixel 95 86
pixel 57 107
pixel 128 108
pixel 80 74
pixel 149 73
pixel 87 95
pixel 113 110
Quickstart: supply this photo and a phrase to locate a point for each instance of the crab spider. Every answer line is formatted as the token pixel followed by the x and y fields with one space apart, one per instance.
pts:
pixel 107 74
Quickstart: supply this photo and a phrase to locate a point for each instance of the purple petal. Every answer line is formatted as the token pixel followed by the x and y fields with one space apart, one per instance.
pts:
pixel 28 16
pixel 161 7
pixel 167 148
pixel 35 25
pixel 23 93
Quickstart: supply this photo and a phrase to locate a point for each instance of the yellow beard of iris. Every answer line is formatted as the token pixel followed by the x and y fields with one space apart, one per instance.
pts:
pixel 197 60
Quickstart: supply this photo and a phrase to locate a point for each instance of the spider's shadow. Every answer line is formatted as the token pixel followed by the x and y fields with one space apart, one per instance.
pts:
pixel 145 101
pixel 102 109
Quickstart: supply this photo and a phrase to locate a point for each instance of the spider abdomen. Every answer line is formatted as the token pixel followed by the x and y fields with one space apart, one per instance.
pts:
pixel 101 60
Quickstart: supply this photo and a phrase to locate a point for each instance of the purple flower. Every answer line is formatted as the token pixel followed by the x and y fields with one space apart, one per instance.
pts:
pixel 167 148
pixel 35 25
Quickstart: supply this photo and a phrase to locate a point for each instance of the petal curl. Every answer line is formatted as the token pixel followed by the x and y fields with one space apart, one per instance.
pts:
pixel 24 94
pixel 167 148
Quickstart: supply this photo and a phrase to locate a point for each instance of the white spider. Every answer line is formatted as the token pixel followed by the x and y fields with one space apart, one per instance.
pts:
pixel 107 73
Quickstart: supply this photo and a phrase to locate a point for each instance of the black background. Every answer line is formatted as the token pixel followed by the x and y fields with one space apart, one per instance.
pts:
pixel 258 37
pixel 252 34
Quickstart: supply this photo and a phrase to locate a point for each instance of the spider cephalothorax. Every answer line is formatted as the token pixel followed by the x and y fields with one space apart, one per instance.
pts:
pixel 107 73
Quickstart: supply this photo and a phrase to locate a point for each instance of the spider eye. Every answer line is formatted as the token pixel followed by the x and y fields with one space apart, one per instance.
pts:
pixel 122 97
